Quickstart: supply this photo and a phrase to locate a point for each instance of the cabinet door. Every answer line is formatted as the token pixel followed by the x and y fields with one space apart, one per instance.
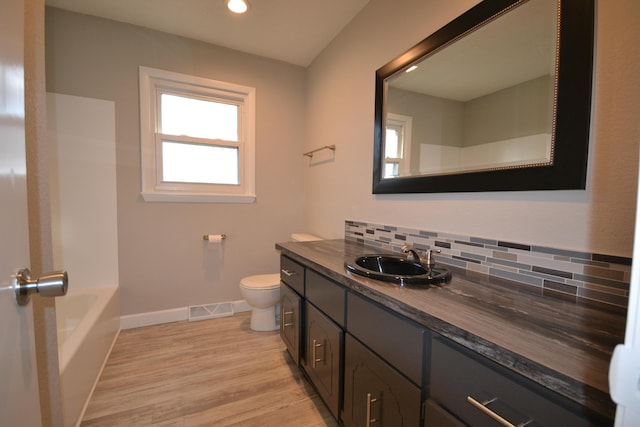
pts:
pixel 436 416
pixel 290 320
pixel 376 395
pixel 322 356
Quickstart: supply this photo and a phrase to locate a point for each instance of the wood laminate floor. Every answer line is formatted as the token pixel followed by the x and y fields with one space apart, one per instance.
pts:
pixel 207 373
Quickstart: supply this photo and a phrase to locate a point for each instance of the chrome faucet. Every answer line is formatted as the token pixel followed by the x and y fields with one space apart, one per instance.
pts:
pixel 411 253
pixel 428 260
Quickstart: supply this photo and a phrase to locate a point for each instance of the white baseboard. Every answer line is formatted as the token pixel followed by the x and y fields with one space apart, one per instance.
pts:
pixel 240 306
pixel 167 316
pixel 153 318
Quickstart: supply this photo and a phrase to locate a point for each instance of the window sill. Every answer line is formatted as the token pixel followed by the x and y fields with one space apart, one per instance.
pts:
pixel 198 198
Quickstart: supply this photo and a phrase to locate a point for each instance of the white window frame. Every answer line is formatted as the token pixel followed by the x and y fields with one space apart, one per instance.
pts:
pixel 154 82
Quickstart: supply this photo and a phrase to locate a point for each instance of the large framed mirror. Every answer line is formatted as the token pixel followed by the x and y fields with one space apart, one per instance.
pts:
pixel 499 99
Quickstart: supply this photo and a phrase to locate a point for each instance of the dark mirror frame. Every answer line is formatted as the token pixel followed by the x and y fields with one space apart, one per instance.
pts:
pixel 573 109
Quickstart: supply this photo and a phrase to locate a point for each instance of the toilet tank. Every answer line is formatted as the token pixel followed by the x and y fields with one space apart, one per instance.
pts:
pixel 304 237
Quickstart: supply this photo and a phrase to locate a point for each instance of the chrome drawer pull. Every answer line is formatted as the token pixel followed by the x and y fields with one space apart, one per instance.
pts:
pixel 288 273
pixel 482 407
pixel 314 358
pixel 370 420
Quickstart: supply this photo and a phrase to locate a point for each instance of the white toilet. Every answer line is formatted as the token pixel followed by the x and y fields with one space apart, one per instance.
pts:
pixel 262 293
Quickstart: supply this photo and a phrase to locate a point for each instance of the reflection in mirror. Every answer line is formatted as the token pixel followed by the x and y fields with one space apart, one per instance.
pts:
pixel 499 99
pixel 484 102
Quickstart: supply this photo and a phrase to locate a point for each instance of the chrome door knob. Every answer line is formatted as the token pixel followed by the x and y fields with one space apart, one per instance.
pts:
pixel 53 284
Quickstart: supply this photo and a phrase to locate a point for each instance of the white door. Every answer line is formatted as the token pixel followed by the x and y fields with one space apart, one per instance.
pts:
pixel 624 372
pixel 19 399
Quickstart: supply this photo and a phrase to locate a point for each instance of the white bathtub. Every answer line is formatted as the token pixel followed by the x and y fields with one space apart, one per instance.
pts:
pixel 88 325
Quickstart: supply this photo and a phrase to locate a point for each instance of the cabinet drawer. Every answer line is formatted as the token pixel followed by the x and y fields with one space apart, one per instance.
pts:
pixel 323 351
pixel 327 295
pixel 292 274
pixel 458 375
pixel 398 341
pixel 374 393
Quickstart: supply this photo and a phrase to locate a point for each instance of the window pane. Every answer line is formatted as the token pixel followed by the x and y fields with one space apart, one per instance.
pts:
pixel 198 118
pixel 207 164
pixel 390 169
pixel 391 143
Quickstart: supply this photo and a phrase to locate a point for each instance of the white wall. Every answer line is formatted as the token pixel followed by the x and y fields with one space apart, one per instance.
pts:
pixel 340 111
pixel 84 214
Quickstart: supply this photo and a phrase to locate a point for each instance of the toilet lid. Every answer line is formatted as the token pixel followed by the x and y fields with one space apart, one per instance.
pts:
pixel 261 281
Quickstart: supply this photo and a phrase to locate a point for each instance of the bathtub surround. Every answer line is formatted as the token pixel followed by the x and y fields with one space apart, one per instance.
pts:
pixel 84 217
pixel 82 162
pixel 599 277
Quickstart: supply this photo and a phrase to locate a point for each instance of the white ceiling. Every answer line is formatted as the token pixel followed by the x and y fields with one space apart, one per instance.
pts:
pixel 295 31
pixel 517 47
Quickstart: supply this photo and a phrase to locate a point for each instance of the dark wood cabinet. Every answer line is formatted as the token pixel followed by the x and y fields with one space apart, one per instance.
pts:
pixel 375 394
pixel 382 383
pixel 291 310
pixel 290 321
pixel 323 356
pixel 376 368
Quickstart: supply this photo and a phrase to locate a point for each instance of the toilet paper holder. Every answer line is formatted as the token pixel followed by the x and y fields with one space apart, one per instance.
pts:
pixel 214 237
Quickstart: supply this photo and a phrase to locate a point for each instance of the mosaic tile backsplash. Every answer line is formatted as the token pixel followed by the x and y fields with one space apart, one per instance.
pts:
pixel 597 277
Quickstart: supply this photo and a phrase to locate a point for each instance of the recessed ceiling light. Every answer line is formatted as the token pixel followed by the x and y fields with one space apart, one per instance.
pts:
pixel 410 69
pixel 237 6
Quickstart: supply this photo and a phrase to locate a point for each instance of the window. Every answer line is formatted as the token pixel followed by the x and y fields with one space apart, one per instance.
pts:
pixel 397 144
pixel 197 139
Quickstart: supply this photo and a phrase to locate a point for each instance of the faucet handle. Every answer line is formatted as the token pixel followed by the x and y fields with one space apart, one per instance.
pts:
pixel 429 257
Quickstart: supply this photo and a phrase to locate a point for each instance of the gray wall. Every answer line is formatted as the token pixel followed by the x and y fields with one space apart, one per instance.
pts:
pixel 520 110
pixel 340 109
pixel 162 261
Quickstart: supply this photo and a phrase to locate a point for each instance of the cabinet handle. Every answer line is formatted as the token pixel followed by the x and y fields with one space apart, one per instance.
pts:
pixel 314 358
pixel 370 400
pixel 482 407
pixel 288 273
pixel 287 313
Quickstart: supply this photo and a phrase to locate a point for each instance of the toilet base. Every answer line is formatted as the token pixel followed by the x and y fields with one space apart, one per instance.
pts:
pixel 264 319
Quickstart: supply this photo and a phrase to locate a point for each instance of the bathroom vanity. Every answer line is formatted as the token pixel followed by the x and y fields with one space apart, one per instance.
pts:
pixel 475 351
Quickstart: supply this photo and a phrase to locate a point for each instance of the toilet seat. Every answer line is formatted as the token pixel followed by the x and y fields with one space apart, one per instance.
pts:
pixel 261 281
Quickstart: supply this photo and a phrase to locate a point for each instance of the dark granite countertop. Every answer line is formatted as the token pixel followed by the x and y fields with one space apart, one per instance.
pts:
pixel 563 345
